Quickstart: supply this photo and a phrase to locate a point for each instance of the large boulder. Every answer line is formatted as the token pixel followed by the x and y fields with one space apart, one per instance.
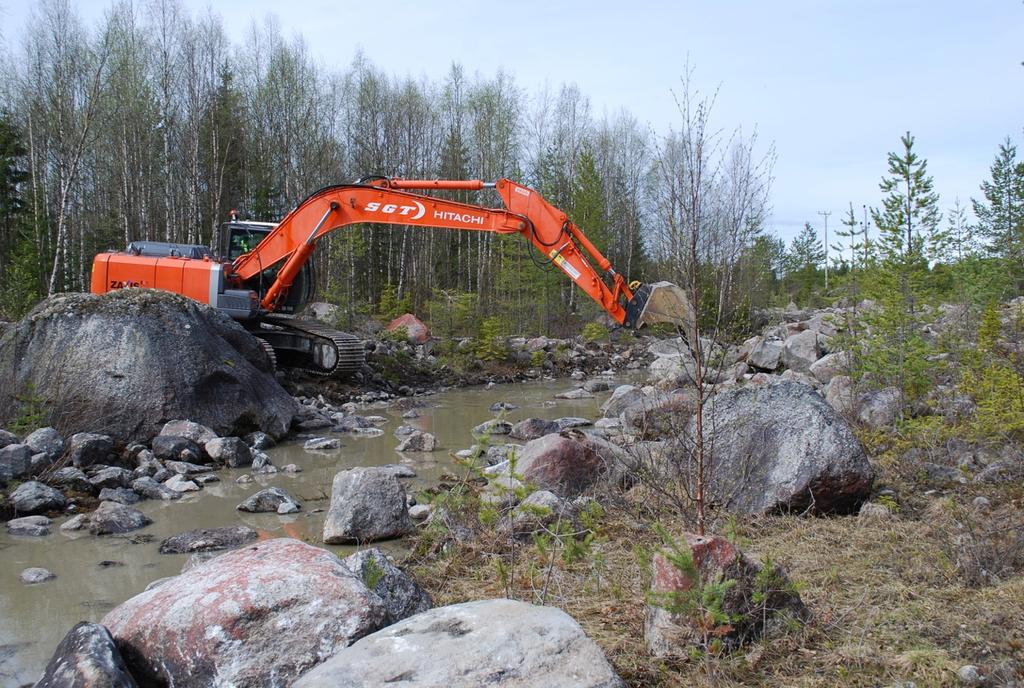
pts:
pixel 661 415
pixel 258 616
pixel 782 447
pixel 367 504
pixel 568 463
pixel 86 658
pixel 830 365
pixel 125 362
pixel 488 642
pixel 415 331
pixel 754 601
pixel 402 596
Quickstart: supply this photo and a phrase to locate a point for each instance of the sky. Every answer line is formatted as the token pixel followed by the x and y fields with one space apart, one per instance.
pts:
pixel 831 84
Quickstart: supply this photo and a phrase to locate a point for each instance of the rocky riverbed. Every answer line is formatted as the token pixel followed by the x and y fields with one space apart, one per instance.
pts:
pixel 132 534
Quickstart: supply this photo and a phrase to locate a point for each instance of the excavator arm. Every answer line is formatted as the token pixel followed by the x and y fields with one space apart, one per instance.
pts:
pixel 390 201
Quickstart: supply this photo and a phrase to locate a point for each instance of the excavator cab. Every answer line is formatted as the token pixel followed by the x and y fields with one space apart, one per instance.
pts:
pixel 241 237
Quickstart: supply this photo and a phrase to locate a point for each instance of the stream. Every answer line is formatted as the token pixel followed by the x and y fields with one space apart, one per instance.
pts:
pixel 94 574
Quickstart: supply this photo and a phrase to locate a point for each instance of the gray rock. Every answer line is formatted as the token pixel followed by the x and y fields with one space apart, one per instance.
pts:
pixel 572 422
pixel 830 365
pixel 35 575
pixel 660 415
pixel 208 539
pixel 418 441
pixel 186 468
pixel 541 509
pixel 367 504
pixel 575 394
pixel 322 444
pixel 398 470
pixel 766 354
pixel 71 478
pixel 420 512
pixel 970 675
pixel 499 406
pixel 623 397
pixel 132 358
pixel 29 526
pixel 594 386
pixel 7 438
pixel 230 451
pixel 86 658
pixel 197 432
pixel 15 462
pixel 405 430
pixel 112 477
pixel 259 440
pixel 121 495
pixel 180 483
pixel 111 518
pixel 151 489
pixel 270 499
pixel 872 511
pixel 205 479
pixel 471 644
pixel 75 523
pixel 532 428
pixel 262 465
pixel 800 351
pixel 879 409
pixel 492 427
pixel 34 497
pixel 839 395
pixel 47 441
pixel 259 616
pixel 177 448
pixel 89 448
pixel 981 503
pixel 402 596
pixel 782 447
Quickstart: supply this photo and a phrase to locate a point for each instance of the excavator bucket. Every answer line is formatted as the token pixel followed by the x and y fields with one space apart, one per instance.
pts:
pixel 660 302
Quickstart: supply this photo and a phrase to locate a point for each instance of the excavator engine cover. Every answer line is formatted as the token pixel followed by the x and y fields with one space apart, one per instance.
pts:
pixel 660 302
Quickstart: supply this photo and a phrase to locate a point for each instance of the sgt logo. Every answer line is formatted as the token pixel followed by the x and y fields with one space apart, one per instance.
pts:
pixel 395 209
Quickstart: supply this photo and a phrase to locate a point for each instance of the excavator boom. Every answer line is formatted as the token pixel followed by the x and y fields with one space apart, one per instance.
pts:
pixel 235 287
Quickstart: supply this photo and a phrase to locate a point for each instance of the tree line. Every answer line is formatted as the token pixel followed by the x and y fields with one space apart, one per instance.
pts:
pixel 153 125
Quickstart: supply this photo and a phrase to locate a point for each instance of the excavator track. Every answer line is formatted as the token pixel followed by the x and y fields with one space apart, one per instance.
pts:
pixel 311 347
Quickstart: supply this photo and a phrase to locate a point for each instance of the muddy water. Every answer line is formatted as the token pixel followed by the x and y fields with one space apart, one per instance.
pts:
pixel 96 573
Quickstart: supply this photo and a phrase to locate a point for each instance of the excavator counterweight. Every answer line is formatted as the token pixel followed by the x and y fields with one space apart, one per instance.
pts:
pixel 264 273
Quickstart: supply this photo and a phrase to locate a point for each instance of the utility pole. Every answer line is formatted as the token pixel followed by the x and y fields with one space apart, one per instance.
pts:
pixel 825 214
pixel 865 208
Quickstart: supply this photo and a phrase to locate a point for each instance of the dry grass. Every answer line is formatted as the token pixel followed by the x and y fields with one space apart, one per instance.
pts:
pixel 891 601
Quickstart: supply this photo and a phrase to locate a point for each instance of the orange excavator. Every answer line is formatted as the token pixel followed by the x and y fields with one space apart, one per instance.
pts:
pixel 263 274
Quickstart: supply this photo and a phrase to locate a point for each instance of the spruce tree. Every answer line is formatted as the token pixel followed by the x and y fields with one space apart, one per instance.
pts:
pixel 1001 213
pixel 894 352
